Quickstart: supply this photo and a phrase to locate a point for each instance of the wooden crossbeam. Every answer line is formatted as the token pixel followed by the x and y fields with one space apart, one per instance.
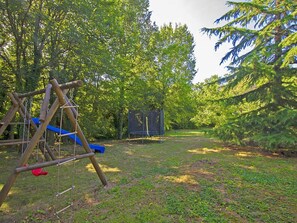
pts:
pixel 52 162
pixel 13 123
pixel 69 85
pixel 10 142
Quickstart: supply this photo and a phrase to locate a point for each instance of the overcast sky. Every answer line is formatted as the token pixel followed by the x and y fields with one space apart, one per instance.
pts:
pixel 196 14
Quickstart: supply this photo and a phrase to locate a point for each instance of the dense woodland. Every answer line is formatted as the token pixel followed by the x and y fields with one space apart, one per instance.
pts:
pixel 127 62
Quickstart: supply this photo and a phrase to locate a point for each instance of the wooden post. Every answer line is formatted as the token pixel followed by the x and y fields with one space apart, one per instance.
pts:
pixel 10 114
pixel 45 103
pixel 61 96
pixel 24 114
pixel 18 106
pixel 24 159
pixel 3 120
pixel 8 118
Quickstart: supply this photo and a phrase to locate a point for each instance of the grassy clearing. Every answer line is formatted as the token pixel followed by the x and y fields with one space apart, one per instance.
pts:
pixel 184 178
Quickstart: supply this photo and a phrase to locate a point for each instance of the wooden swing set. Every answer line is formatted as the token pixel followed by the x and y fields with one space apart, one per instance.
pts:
pixel 37 131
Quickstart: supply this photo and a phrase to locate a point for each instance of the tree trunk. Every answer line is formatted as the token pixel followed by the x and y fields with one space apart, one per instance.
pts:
pixel 120 113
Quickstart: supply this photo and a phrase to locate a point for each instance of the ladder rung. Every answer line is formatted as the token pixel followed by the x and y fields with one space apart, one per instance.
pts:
pixel 68 134
pixel 67 161
pixel 64 209
pixel 65 191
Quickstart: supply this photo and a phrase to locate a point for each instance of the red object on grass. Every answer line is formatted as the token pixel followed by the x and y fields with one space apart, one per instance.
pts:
pixel 38 172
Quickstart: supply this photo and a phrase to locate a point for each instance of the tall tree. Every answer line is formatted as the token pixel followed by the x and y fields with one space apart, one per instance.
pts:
pixel 265 30
pixel 116 33
pixel 33 39
pixel 174 65
pixel 111 45
pixel 133 21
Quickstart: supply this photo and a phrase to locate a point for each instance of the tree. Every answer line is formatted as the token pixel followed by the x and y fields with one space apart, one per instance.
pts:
pixel 266 30
pixel 210 110
pixel 117 33
pixel 30 31
pixel 128 46
pixel 174 65
pixel 111 45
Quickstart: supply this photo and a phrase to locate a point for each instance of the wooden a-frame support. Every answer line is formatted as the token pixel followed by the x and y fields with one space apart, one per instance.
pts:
pixel 17 105
pixel 61 99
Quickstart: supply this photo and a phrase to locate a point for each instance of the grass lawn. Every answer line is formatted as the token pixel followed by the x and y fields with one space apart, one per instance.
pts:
pixel 184 178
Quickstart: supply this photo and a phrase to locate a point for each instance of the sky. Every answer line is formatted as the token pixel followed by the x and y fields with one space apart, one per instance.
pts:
pixel 196 14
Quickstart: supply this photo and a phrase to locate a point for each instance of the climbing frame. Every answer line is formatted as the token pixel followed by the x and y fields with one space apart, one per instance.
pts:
pixel 37 131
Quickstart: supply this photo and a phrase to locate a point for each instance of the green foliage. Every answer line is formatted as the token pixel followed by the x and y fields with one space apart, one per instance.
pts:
pixel 209 110
pixel 278 130
pixel 186 178
pixel 174 65
pixel 125 61
pixel 262 79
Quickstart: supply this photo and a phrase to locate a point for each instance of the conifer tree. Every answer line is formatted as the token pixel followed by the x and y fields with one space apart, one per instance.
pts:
pixel 263 38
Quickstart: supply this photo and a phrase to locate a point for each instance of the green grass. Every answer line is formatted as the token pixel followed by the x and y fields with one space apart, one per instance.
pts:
pixel 184 178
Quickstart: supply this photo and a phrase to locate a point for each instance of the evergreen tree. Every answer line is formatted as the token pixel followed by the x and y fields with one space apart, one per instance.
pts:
pixel 266 31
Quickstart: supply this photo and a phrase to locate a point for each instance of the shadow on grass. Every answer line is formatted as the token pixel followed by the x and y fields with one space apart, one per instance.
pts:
pixel 184 179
